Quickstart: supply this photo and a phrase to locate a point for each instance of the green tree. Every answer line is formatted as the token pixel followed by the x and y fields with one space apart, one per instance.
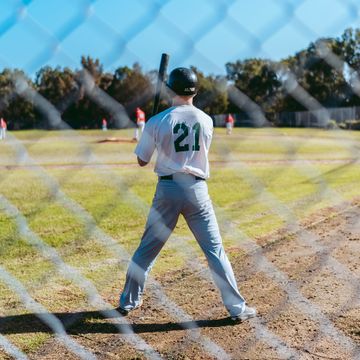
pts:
pixel 56 84
pixel 132 88
pixel 93 66
pixel 317 75
pixel 349 45
pixel 212 96
pixel 18 112
pixel 258 80
pixel 81 108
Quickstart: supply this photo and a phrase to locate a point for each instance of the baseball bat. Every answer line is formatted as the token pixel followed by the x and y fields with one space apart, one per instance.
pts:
pixel 161 76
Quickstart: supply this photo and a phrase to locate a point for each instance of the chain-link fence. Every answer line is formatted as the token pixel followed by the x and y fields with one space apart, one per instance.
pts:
pixel 72 205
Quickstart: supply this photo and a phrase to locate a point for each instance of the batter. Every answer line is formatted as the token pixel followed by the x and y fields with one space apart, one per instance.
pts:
pixel 182 136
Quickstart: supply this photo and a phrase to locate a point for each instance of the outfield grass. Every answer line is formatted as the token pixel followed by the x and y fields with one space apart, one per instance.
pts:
pixel 254 178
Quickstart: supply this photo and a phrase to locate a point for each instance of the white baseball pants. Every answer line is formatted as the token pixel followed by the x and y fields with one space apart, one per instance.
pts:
pixel 187 196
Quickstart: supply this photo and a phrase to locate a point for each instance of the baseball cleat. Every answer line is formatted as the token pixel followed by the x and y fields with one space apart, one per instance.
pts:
pixel 125 312
pixel 248 313
pixel 122 311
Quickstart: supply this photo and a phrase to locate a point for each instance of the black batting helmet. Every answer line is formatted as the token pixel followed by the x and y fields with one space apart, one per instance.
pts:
pixel 183 81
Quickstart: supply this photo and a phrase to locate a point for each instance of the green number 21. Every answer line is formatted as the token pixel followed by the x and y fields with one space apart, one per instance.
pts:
pixel 183 135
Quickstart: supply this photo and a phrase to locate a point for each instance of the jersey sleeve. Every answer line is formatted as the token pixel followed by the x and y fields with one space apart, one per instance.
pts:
pixel 146 146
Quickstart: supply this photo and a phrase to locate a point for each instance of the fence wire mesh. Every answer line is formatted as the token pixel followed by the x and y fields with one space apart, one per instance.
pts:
pixel 71 204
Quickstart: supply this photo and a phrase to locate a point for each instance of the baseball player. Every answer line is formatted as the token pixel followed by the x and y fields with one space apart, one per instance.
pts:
pixel 3 127
pixel 140 123
pixel 104 124
pixel 182 136
pixel 229 121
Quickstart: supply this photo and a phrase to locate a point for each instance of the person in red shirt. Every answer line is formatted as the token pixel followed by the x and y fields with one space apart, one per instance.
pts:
pixel 3 127
pixel 140 123
pixel 229 121
pixel 104 124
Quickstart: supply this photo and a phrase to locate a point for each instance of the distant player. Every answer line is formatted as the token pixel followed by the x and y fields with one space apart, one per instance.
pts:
pixel 229 121
pixel 3 127
pixel 140 123
pixel 181 135
pixel 104 124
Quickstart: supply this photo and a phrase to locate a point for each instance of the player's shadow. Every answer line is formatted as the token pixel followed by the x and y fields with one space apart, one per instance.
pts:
pixel 105 322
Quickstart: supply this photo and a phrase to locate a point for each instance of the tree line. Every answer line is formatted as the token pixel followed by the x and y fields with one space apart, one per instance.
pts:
pixel 327 70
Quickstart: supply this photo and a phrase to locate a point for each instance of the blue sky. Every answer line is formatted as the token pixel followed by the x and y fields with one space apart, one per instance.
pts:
pixel 204 33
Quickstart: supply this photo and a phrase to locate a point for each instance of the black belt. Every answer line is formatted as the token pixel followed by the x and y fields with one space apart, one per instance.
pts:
pixel 170 177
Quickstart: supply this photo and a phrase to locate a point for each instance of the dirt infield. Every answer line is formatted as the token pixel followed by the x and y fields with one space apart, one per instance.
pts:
pixel 304 285
pixel 116 140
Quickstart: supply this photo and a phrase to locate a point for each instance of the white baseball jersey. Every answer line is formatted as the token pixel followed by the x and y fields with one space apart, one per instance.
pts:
pixel 182 136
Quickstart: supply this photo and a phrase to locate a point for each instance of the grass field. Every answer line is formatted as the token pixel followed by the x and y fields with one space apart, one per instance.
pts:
pixel 261 179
